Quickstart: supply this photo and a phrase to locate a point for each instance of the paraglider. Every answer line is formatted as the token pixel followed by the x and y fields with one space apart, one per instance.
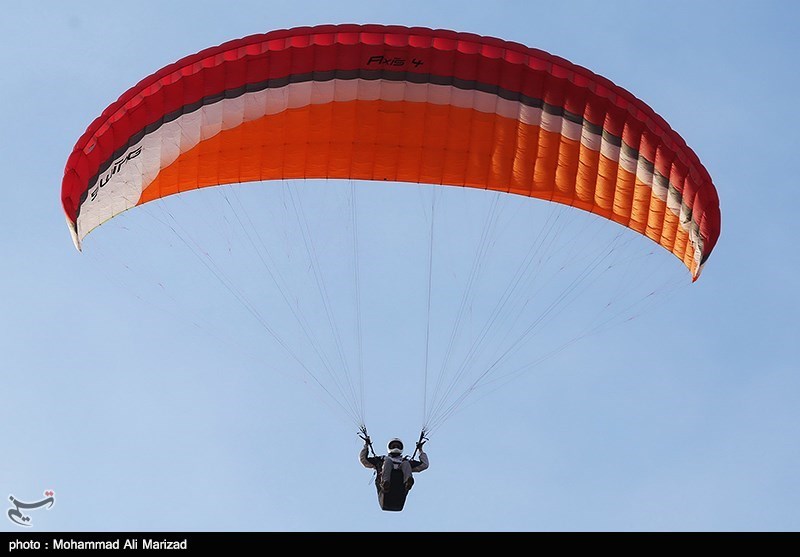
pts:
pixel 398 105
pixel 394 472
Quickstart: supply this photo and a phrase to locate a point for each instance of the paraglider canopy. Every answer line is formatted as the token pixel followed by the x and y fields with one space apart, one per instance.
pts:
pixel 375 102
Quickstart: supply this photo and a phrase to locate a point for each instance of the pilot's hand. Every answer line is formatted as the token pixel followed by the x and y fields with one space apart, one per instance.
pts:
pixel 419 445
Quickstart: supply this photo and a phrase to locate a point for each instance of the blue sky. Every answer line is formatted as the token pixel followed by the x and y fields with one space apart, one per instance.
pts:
pixel 146 403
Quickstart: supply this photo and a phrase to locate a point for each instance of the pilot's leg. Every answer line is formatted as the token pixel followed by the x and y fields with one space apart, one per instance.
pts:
pixel 408 477
pixel 386 475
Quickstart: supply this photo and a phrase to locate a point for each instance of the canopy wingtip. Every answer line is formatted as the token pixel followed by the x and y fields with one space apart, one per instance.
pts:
pixel 73 232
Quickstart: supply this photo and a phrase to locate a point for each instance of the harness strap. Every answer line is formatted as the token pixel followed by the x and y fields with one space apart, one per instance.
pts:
pixel 421 437
pixel 365 437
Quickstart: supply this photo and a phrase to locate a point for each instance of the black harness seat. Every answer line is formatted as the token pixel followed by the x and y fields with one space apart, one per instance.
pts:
pixel 395 498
